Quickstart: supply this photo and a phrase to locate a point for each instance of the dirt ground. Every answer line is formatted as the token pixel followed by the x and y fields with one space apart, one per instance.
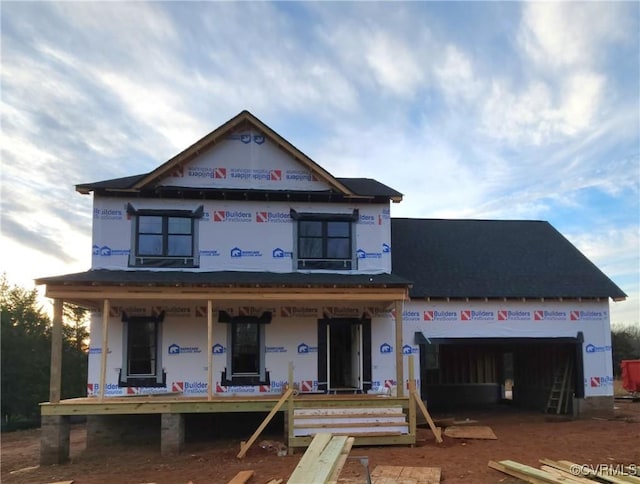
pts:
pixel 523 437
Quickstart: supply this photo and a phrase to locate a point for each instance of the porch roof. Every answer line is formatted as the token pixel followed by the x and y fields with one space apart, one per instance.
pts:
pixel 85 288
pixel 224 279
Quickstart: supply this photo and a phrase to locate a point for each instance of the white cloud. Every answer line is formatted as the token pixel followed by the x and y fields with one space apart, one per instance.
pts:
pixel 570 34
pixel 394 64
pixel 456 77
pixel 581 95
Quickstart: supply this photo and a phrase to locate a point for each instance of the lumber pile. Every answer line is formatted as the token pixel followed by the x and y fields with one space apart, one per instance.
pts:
pixel 567 472
pixel 323 459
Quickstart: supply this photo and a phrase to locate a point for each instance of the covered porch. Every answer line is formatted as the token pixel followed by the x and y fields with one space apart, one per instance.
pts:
pixel 101 291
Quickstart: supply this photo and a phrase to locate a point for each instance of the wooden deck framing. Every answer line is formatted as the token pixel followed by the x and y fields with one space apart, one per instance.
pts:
pixel 359 406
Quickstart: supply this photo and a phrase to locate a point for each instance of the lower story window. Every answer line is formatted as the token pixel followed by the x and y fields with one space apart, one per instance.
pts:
pixel 142 364
pixel 245 349
pixel 246 354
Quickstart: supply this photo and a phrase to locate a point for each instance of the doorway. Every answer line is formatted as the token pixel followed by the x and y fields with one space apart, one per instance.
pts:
pixel 344 355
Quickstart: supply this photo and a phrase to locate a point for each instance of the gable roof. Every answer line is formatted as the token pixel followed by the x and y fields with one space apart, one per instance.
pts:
pixel 345 187
pixel 493 259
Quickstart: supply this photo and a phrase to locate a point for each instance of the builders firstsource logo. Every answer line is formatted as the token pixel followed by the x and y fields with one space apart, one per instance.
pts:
pixel 189 387
pixel 471 315
pixel 543 315
pixel 412 316
pixel 232 216
pixel 273 217
pixel 440 315
pixel 588 315
pixel 600 381
pixel 506 315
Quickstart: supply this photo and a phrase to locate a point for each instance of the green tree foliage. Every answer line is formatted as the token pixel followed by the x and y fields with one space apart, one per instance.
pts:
pixel 625 345
pixel 25 353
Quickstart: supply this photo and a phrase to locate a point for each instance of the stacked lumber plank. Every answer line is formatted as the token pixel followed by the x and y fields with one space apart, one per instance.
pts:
pixel 567 472
pixel 323 460
pixel 350 421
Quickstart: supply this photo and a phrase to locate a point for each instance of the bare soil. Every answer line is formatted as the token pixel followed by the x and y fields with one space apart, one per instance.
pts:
pixel 523 437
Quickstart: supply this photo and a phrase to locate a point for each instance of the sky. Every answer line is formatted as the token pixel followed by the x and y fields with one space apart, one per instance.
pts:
pixel 480 110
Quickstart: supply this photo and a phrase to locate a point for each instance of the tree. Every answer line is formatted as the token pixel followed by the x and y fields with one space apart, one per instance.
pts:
pixel 25 353
pixel 625 345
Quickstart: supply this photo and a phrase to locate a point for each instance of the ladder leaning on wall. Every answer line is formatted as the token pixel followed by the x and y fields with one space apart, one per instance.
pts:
pixel 560 388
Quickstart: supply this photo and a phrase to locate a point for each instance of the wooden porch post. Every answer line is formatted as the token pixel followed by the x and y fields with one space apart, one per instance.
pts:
pixel 210 349
pixel 105 348
pixel 55 376
pixel 399 358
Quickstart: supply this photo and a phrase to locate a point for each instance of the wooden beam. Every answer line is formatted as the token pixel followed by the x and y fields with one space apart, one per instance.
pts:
pixel 241 477
pixel 105 348
pixel 266 421
pixel 412 400
pixel 210 387
pixel 333 479
pixel 228 294
pixel 437 432
pixel 55 375
pixel 398 349
pixel 290 409
pixel 499 466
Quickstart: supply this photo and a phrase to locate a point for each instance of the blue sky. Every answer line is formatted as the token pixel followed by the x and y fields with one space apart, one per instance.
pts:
pixel 473 110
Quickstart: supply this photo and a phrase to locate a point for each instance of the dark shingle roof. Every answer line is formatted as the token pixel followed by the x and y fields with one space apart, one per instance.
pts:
pixel 224 278
pixel 115 183
pixel 369 187
pixel 493 258
pixel 365 187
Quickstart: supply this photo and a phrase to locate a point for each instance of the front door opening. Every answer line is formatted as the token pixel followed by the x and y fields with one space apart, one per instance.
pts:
pixel 344 356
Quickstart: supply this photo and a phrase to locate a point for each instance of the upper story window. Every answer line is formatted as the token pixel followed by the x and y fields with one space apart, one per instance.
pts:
pixel 325 241
pixel 165 238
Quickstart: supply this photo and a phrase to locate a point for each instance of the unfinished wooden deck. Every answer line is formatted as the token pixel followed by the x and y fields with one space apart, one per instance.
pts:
pixel 152 404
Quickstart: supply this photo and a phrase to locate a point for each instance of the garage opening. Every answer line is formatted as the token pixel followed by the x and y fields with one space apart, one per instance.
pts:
pixel 477 372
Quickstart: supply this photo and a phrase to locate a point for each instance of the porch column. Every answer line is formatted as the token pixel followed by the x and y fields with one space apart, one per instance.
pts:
pixel 55 375
pixel 105 348
pixel 210 349
pixel 398 345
